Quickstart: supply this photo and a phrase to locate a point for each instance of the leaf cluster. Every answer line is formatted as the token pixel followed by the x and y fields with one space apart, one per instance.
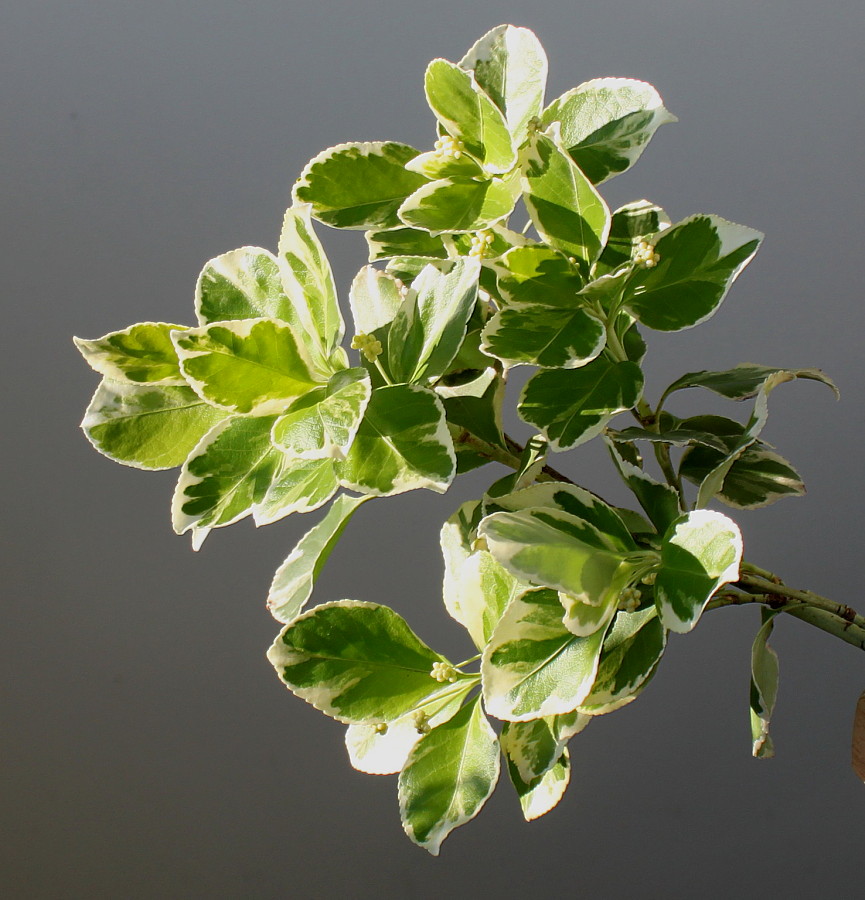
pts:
pixel 568 599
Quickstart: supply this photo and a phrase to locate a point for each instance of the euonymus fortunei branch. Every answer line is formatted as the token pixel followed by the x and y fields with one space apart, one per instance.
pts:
pixel 568 599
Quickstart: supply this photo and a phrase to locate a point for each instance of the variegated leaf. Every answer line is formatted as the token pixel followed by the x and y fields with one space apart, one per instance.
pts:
pixel 701 551
pixel 541 794
pixel 764 688
pixel 534 747
pixel 468 115
pixel 606 123
pixel 141 354
pixel 631 653
pixel 356 662
pixel 147 426
pixel 242 284
pixel 510 65
pixel 358 185
pixel 227 473
pixel 449 775
pixel 567 211
pixel 249 366
pixel 309 286
pixel 698 260
pixel 477 590
pixel 460 204
pixel 402 443
pixel 571 406
pixel 294 580
pixel 383 748
pixel 533 666
pixel 324 422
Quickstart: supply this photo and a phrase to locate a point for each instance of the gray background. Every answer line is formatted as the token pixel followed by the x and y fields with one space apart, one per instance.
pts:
pixel 148 749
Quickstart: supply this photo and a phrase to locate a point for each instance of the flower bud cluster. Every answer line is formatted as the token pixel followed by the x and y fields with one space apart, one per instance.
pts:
pixel 481 243
pixel 629 599
pixel 421 722
pixel 444 672
pixel 369 346
pixel 380 728
pixel 448 146
pixel 645 256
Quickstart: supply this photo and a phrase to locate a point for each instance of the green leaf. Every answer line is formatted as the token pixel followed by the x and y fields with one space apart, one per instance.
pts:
pixel 558 550
pixel 630 224
pixel 532 461
pixel 572 406
pixel 606 123
pixel 403 443
pixel 700 552
pixel 544 335
pixel 296 486
pixel 479 415
pixel 528 276
pixel 533 666
pixel 713 483
pixel 758 475
pixel 510 65
pixel 403 242
pixel 477 590
pixel 225 475
pixel 660 501
pixel 324 422
pixel 460 203
pixel 147 426
pixel 356 662
pixel 743 381
pixel 309 285
pixel 430 325
pixel 567 211
pixel 358 185
pixel 383 748
pixel 570 499
pixel 539 796
pixel 630 657
pixel 375 297
pixel 449 775
pixel 249 366
pixel 699 259
pixel 467 114
pixel 294 580
pixel 141 354
pixel 764 688
pixel 242 284
pixel 534 747
pixel 435 165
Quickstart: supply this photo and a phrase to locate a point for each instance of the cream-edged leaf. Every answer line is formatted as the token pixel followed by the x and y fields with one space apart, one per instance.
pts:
pixel 533 666
pixel 294 580
pixel 449 775
pixel 468 115
pixel 701 551
pixel 358 185
pixel 147 426
pixel 510 65
pixel 356 662
pixel 309 286
pixel 383 748
pixel 324 422
pixel 249 366
pixel 606 123
pixel 403 443
pixel 538 796
pixel 228 472
pixel 140 354
pixel 242 284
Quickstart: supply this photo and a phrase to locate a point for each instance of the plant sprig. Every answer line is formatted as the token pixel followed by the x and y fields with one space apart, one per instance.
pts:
pixel 568 599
